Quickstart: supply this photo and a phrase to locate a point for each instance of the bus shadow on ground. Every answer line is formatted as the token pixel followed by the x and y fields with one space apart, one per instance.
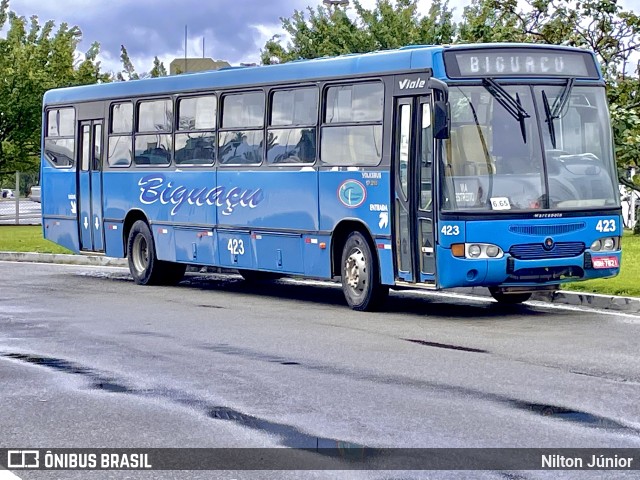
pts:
pixel 399 302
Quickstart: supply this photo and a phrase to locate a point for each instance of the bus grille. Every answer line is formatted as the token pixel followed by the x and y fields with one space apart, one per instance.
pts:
pixel 532 251
pixel 546 229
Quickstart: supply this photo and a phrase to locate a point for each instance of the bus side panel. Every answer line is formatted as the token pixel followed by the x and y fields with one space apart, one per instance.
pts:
pixel 361 196
pixel 113 241
pixel 59 206
pixel 277 207
pixel 167 198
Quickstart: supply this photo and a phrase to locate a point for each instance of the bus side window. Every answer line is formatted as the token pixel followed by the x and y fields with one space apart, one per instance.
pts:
pixel 241 139
pixel 291 137
pixel 153 139
pixel 59 143
pixel 351 133
pixel 120 135
pixel 195 138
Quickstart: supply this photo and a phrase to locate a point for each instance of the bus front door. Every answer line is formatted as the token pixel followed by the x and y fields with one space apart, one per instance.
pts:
pixel 414 216
pixel 90 187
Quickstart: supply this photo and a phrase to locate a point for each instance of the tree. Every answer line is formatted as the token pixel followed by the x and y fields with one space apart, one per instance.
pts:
pixel 127 67
pixel 158 69
pixel 34 58
pixel 331 31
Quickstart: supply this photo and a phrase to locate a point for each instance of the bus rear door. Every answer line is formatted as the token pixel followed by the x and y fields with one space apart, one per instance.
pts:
pixel 413 166
pixel 90 187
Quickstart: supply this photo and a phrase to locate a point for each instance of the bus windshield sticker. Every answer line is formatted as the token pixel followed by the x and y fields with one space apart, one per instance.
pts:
pixel 153 188
pixel 467 192
pixel 500 203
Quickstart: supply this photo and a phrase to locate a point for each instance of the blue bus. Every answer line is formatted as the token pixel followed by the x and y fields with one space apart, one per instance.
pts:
pixel 428 166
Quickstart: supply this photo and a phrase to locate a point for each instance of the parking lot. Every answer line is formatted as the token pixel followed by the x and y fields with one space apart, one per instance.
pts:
pixel 28 211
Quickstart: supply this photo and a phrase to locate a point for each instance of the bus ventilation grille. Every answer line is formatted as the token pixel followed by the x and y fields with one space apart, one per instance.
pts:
pixel 532 251
pixel 546 229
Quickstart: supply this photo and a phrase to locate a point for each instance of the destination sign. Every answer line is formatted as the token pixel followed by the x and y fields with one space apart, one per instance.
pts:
pixel 519 62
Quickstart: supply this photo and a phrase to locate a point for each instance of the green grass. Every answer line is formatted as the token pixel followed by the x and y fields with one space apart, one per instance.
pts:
pixel 627 283
pixel 14 238
pixel 29 239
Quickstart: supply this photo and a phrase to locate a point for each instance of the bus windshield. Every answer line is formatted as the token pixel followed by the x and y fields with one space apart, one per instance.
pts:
pixel 495 159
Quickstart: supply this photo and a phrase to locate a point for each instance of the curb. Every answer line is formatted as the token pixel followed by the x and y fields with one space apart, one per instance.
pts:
pixel 568 297
pixel 565 297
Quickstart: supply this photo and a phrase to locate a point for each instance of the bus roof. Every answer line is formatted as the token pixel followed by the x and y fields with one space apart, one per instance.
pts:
pixel 387 61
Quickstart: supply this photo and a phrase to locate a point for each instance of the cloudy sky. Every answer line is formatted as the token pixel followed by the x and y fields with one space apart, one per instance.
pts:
pixel 234 30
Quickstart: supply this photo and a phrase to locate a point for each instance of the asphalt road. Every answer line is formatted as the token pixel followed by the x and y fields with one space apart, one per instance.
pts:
pixel 89 359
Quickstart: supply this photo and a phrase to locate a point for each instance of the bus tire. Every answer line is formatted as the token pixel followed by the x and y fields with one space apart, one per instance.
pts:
pixel 253 276
pixel 361 275
pixel 144 265
pixel 509 298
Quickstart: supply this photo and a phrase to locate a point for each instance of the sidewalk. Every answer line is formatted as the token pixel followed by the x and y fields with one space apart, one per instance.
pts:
pixel 593 300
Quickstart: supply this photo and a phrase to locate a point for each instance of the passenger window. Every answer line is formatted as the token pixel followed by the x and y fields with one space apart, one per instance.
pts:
pixel 119 150
pixel 341 142
pixel 195 143
pixel 155 116
pixel 297 108
pixel 59 145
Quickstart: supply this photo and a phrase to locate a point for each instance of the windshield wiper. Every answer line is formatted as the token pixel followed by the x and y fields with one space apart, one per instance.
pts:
pixel 562 99
pixel 513 107
pixel 551 113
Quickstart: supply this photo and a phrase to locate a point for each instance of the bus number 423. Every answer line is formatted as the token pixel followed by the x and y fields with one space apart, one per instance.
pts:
pixel 235 246
pixel 606 226
pixel 452 230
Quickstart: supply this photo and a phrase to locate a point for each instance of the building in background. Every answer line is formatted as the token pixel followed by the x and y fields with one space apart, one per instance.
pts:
pixel 198 64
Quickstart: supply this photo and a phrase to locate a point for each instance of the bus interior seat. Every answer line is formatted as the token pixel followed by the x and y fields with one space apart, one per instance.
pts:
pixel 472 150
pixel 466 153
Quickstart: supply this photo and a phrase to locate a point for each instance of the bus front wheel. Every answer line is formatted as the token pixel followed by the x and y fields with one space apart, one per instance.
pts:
pixel 144 266
pixel 361 276
pixel 509 298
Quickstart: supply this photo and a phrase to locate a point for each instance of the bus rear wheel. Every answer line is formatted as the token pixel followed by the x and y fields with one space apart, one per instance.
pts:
pixel 144 266
pixel 509 298
pixel 361 275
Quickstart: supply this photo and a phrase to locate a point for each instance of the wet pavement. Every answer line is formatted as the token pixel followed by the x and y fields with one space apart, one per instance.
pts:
pixel 92 360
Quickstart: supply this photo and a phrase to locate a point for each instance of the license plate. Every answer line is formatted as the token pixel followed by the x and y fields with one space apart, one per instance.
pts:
pixel 605 262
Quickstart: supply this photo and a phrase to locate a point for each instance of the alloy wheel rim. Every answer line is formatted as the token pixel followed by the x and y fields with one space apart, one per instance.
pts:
pixel 356 271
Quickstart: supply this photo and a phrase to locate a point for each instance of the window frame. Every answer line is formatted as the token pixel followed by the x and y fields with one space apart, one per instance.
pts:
pixel 293 126
pixel 136 131
pixel 111 134
pixel 223 130
pixel 177 131
pixel 74 160
pixel 323 124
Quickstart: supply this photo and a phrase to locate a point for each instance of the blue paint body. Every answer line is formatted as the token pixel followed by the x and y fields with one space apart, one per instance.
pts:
pixel 277 220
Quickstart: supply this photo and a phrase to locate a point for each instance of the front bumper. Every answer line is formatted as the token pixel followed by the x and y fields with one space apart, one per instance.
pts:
pixel 510 271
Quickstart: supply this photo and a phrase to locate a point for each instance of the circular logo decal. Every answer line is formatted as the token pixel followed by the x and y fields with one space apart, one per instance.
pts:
pixel 352 193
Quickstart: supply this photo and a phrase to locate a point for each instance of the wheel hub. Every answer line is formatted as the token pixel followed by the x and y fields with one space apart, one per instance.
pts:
pixel 140 254
pixel 356 271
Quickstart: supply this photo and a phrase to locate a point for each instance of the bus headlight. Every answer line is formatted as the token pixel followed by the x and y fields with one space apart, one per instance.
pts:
pixel 474 251
pixel 606 244
pixel 482 250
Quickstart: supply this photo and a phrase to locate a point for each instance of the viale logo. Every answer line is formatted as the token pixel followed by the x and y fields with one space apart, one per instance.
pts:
pixel 408 84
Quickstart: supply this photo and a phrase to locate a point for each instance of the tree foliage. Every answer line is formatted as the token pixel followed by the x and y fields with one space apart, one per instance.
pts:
pixel 331 31
pixel 599 25
pixel 34 58
pixel 158 69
